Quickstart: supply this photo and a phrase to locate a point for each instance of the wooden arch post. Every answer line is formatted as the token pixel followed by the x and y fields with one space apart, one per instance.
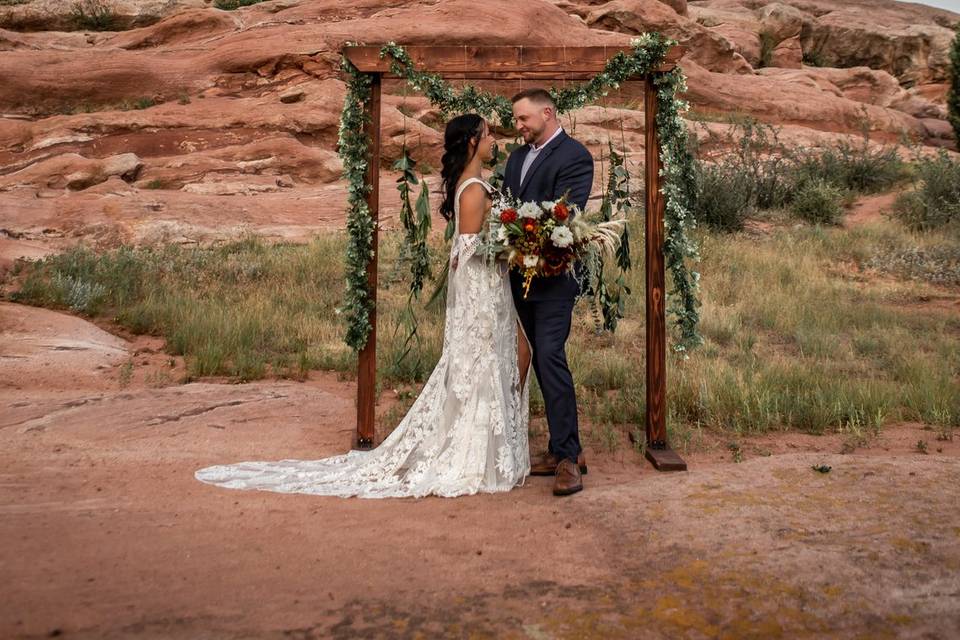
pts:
pixel 537 64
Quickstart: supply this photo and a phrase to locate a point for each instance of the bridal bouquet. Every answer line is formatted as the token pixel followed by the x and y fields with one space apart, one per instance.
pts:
pixel 545 238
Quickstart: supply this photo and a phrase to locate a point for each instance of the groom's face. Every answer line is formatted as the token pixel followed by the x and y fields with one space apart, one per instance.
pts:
pixel 531 119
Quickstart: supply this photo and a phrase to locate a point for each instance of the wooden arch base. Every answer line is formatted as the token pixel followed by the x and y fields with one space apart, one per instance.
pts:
pixel 537 64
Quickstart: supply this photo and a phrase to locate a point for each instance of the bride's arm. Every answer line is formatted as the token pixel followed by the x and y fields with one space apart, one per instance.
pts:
pixel 473 208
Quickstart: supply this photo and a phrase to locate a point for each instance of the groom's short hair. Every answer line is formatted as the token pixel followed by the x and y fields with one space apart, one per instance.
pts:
pixel 538 95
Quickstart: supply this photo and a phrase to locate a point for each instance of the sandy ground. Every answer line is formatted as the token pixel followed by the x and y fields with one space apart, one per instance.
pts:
pixel 106 534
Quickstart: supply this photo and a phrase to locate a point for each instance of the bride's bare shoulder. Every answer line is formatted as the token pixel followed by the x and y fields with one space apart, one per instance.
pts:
pixel 473 205
pixel 472 193
pixel 473 188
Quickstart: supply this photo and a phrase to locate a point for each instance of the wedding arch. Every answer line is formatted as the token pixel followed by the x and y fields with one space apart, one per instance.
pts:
pixel 587 74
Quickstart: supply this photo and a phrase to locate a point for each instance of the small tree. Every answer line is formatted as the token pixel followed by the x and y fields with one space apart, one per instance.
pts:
pixel 953 96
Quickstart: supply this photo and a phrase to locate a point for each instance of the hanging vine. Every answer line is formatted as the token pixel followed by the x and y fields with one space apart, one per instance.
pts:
pixel 608 303
pixel 415 220
pixel 416 225
pixel 649 51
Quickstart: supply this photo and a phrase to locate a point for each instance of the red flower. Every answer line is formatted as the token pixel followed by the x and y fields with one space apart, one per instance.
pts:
pixel 508 216
pixel 560 212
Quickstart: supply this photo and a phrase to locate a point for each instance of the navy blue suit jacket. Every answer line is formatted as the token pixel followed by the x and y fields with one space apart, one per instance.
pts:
pixel 563 166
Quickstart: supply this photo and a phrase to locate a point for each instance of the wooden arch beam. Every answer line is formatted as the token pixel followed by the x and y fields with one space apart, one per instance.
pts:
pixel 534 63
pixel 472 62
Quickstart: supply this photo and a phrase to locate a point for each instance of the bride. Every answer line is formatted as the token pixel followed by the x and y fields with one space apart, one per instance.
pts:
pixel 467 431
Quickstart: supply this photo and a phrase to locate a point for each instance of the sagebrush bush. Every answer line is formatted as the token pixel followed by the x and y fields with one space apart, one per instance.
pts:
pixel 935 201
pixel 818 202
pixel 95 15
pixel 768 42
pixel 230 5
pixel 753 174
pixel 757 171
pixel 723 196
pixel 852 167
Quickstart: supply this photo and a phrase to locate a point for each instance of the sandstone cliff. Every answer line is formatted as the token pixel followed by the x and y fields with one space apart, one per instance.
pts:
pixel 186 122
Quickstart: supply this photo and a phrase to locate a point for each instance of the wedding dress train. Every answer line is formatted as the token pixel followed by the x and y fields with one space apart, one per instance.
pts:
pixel 465 433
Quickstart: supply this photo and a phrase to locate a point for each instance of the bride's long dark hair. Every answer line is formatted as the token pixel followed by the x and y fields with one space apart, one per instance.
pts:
pixel 456 153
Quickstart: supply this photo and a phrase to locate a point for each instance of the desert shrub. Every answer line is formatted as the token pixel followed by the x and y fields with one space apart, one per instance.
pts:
pixel 755 174
pixel 83 280
pixel 765 160
pixel 757 171
pixel 723 196
pixel 813 58
pixel 230 5
pixel 854 167
pixel 95 15
pixel 768 43
pixel 935 202
pixel 818 202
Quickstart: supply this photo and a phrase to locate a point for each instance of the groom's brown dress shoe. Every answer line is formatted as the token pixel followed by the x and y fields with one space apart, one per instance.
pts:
pixel 568 479
pixel 546 464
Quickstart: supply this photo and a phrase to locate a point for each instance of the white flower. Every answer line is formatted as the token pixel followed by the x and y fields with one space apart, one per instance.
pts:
pixel 529 210
pixel 502 235
pixel 561 237
pixel 548 205
pixel 530 261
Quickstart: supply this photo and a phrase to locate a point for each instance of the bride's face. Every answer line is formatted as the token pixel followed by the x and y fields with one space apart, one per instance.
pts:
pixel 485 144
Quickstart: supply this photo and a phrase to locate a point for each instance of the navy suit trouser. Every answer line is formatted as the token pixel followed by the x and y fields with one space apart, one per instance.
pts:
pixel 547 326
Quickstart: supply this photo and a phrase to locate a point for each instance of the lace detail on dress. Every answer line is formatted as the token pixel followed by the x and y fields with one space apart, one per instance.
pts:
pixel 467 430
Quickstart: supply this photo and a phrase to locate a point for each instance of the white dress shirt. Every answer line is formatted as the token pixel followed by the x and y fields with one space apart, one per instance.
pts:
pixel 534 152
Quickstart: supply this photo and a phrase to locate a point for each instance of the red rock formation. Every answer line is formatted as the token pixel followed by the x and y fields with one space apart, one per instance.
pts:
pixel 199 123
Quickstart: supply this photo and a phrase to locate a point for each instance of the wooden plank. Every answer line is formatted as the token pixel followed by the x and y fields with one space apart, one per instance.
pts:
pixel 656 334
pixel 367 360
pixel 559 61
pixel 590 57
pixel 552 76
pixel 491 59
pixel 666 459
pixel 658 451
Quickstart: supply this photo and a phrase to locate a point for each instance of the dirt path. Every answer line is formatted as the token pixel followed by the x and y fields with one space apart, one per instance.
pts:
pixel 106 534
pixel 869 209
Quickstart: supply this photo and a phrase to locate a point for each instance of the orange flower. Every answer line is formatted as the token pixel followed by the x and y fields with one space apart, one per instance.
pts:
pixel 529 226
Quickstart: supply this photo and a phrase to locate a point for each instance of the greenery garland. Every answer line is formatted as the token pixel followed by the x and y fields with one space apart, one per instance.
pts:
pixel 353 147
pixel 649 50
pixel 442 94
pixel 678 188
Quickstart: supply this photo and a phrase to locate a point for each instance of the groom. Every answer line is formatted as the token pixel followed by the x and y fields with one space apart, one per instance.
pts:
pixel 549 165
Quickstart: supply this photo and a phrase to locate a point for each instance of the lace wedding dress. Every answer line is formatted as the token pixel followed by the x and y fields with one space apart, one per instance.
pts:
pixel 465 433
